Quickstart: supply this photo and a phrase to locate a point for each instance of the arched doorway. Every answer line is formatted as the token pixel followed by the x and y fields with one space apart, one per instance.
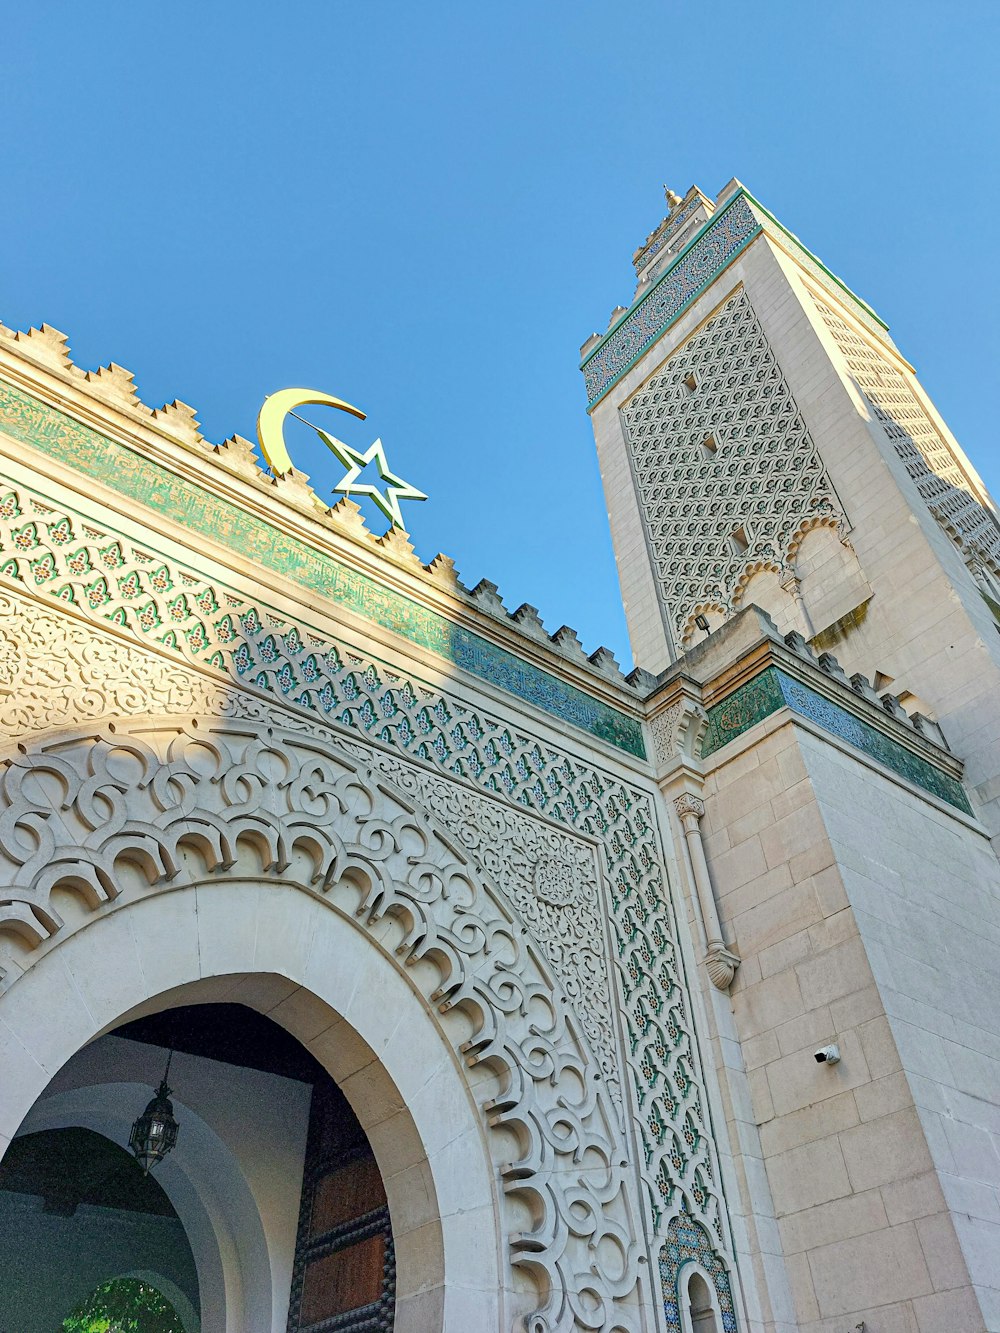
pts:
pixel 76 1210
pixel 164 862
pixel 405 1089
pixel 341 1245
pixel 271 1199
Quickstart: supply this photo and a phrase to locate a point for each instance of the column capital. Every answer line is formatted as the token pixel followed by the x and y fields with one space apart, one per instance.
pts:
pixel 689 804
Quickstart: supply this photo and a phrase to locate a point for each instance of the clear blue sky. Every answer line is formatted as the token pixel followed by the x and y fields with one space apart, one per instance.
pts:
pixel 426 208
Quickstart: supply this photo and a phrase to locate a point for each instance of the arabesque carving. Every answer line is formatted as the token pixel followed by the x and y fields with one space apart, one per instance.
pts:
pixel 59 672
pixel 553 881
pixel 113 813
pixel 113 629
pixel 726 469
pixel 677 732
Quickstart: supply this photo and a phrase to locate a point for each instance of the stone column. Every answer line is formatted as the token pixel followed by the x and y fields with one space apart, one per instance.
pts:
pixel 720 963
pixel 793 586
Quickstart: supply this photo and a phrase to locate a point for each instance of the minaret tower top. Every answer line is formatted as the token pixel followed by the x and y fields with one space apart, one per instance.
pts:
pixel 684 217
pixel 762 440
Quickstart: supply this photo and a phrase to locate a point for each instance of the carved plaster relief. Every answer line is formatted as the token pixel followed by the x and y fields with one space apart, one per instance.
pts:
pixel 109 815
pixel 726 471
pixel 677 733
pixel 553 881
pixel 55 671
pixel 126 648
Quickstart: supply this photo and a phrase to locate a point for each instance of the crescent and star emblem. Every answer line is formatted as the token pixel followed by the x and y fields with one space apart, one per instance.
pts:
pixel 271 437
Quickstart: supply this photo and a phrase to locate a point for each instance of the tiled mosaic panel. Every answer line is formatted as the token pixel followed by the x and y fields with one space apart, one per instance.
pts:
pixel 773 689
pixel 765 478
pixel 730 230
pixel 32 422
pixel 667 229
pixel 687 1243
pixel 741 710
pixel 924 452
pixel 693 270
pixel 62 558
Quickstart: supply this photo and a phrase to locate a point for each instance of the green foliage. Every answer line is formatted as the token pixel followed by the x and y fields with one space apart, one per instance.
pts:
pixel 124 1305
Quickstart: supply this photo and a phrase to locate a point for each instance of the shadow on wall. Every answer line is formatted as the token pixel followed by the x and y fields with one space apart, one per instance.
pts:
pixel 821 584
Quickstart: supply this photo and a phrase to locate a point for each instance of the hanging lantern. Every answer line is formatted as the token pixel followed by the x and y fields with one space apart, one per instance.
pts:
pixel 155 1132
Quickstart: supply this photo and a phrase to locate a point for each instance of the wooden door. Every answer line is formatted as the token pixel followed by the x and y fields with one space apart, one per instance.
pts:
pixel 344 1278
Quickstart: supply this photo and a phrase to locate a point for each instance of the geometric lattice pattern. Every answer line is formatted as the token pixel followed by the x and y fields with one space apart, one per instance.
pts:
pixel 686 1243
pixel 143 480
pixel 61 558
pixel 727 473
pixel 924 452
pixel 732 229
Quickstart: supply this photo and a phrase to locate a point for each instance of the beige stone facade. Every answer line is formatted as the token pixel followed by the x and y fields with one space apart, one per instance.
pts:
pixel 768 444
pixel 567 941
pixel 848 897
pixel 884 550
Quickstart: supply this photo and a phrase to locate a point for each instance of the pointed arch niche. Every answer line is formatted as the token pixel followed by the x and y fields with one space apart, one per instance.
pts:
pixel 163 862
pixel 697 1294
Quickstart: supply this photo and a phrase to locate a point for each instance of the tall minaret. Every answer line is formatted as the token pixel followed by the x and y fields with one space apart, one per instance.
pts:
pixel 762 440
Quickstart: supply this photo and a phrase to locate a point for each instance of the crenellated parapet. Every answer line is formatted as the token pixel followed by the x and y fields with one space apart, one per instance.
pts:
pixel 747 671
pixel 862 686
pixel 38 362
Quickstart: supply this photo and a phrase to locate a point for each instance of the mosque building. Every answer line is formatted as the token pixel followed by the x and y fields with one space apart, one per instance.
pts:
pixel 373 959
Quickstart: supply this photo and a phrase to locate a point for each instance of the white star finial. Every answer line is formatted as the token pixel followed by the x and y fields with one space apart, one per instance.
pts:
pixel 387 498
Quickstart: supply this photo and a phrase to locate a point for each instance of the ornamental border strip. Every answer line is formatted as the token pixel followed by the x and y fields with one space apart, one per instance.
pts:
pixel 670 226
pixel 682 282
pixel 773 689
pixel 117 465
pixel 628 341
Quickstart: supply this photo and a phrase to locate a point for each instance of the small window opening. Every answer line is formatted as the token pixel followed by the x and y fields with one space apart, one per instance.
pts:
pixel 691 382
pixel 709 446
pixel 738 541
pixel 700 1298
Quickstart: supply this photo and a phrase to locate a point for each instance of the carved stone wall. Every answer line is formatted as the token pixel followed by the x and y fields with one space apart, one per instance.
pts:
pixel 110 628
pixel 551 878
pixel 593 909
pixel 923 451
pixel 113 813
pixel 726 472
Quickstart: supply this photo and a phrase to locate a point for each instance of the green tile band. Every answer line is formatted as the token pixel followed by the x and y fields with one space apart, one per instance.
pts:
pixel 712 249
pixel 773 689
pixel 116 465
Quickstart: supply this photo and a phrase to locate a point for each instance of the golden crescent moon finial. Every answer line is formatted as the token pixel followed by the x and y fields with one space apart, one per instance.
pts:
pixel 271 418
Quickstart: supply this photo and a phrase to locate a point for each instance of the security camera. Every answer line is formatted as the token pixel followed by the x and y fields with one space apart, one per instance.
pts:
pixel 827 1055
